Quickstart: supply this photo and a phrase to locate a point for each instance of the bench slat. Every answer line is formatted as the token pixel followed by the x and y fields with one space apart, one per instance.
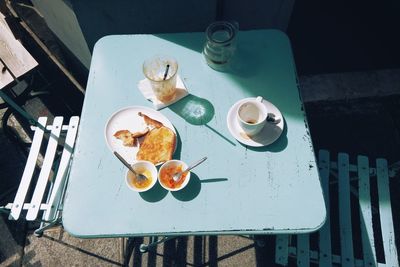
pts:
pixel 325 256
pixel 46 168
pixel 346 236
pixel 60 180
pixel 28 172
pixel 364 200
pixel 385 212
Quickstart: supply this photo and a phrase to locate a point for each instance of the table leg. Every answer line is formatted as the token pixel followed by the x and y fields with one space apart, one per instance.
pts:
pixel 154 242
pixel 260 241
pixel 129 247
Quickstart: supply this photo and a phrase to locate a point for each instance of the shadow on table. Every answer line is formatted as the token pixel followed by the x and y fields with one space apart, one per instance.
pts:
pixel 191 191
pixel 197 111
pixel 193 188
pixel 155 194
pixel 194 110
pixel 279 145
pixel 192 42
pixel 178 149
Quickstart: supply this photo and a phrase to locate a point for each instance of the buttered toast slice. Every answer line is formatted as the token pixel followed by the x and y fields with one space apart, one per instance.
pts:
pixel 158 145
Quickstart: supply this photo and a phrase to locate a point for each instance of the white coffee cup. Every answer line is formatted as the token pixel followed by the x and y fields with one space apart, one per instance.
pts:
pixel 252 115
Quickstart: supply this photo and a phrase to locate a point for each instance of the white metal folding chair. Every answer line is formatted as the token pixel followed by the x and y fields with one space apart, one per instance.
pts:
pixel 45 204
pixel 341 172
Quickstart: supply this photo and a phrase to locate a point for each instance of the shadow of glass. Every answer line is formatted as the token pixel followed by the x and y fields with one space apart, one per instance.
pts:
pixel 191 190
pixel 220 135
pixel 195 110
pixel 279 145
pixel 155 194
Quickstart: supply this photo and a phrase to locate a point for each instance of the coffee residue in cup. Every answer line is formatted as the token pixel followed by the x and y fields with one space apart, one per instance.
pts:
pixel 251 121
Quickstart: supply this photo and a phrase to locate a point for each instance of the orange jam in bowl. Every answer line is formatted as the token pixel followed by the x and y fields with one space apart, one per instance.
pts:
pixel 167 171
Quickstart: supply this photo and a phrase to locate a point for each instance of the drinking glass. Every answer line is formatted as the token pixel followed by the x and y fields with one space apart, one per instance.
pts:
pixel 161 71
pixel 221 43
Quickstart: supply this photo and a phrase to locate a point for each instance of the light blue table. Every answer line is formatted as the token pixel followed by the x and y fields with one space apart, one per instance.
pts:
pixel 239 189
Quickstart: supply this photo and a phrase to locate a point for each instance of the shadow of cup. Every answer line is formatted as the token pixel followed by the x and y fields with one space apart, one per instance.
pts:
pixel 195 110
pixel 278 145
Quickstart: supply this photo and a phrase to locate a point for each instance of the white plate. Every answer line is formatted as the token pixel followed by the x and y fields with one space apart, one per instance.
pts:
pixel 269 134
pixel 128 119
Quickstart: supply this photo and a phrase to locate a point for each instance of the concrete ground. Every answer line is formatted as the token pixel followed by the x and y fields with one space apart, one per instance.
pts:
pixel 352 99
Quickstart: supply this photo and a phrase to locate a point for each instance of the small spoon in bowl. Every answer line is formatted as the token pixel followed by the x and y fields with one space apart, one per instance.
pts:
pixel 138 175
pixel 177 176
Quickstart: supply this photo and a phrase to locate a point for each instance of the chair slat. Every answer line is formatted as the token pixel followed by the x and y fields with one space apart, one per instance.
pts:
pixel 346 236
pixel 303 250
pixel 325 246
pixel 386 217
pixel 46 168
pixel 282 249
pixel 60 180
pixel 364 200
pixel 19 199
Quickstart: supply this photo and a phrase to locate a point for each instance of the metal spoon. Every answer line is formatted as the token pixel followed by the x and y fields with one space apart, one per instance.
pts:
pixel 138 175
pixel 177 176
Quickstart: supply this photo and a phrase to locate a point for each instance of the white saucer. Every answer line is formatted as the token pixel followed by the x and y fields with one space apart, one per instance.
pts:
pixel 269 134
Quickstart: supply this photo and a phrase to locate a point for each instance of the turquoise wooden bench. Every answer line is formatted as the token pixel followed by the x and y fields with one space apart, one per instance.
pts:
pixel 374 210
